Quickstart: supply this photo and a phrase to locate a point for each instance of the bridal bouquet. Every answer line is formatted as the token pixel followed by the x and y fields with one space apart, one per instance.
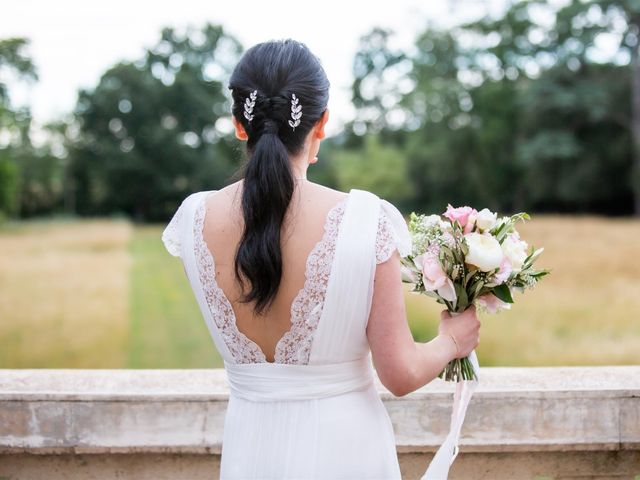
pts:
pixel 464 256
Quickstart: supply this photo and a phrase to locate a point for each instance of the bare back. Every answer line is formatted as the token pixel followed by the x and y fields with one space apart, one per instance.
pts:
pixel 302 230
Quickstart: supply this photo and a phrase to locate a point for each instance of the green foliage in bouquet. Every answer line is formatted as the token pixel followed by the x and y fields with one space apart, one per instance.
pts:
pixel 458 282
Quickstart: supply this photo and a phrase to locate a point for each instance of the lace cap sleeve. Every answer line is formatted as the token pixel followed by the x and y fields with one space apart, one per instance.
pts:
pixel 393 233
pixel 172 232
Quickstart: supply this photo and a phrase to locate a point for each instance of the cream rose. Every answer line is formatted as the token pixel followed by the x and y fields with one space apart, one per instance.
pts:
pixel 484 251
pixel 515 250
pixel 486 219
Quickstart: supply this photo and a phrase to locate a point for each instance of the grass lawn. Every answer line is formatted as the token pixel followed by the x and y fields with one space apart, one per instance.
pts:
pixel 105 294
pixel 166 327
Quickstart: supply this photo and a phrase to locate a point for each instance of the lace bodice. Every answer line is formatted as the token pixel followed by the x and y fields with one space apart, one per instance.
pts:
pixel 295 345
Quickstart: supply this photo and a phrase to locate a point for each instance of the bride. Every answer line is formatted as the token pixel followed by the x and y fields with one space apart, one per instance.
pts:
pixel 300 287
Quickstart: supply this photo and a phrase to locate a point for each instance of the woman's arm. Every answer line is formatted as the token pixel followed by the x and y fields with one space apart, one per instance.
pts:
pixel 404 365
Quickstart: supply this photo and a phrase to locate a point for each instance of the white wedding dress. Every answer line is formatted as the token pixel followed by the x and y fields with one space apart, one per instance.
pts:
pixel 314 413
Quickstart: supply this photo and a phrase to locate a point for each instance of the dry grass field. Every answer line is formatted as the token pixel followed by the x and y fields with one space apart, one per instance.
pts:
pixel 64 294
pixel 105 294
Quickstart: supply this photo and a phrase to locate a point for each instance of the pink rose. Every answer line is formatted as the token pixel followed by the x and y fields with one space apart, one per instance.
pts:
pixel 504 272
pixel 471 221
pixel 463 215
pixel 492 303
pixel 434 277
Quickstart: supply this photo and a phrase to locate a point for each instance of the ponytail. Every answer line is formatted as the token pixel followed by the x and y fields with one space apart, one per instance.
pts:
pixel 266 86
pixel 267 190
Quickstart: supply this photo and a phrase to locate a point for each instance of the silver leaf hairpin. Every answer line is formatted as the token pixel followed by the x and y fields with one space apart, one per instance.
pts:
pixel 249 104
pixel 296 112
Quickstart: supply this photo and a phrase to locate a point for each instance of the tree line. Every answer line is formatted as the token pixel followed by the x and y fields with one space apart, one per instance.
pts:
pixel 515 112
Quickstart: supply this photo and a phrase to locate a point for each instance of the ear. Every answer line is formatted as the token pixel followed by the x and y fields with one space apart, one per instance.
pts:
pixel 241 134
pixel 319 127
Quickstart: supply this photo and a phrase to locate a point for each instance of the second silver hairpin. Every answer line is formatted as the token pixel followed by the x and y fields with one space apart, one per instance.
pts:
pixel 296 108
pixel 296 112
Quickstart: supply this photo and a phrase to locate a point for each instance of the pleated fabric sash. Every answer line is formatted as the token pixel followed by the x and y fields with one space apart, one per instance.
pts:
pixel 280 381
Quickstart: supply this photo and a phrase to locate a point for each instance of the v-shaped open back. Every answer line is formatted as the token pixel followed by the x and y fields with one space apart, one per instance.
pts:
pixel 304 311
pixel 328 315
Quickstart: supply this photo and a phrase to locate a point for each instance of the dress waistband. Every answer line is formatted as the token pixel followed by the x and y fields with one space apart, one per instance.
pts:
pixel 279 381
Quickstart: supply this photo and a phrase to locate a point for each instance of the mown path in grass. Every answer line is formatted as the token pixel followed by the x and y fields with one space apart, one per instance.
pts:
pixel 166 326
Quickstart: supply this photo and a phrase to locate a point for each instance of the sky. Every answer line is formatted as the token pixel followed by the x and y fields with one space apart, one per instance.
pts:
pixel 73 42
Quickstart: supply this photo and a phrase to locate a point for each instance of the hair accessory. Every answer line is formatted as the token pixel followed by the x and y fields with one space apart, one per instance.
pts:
pixel 296 112
pixel 249 104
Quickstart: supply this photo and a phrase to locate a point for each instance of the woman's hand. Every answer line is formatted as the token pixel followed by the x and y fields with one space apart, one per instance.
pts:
pixel 465 327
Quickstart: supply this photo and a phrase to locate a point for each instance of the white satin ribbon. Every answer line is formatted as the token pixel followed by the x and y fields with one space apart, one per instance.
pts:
pixel 439 467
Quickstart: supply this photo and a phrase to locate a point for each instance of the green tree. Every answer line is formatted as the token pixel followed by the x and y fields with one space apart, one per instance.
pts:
pixel 156 129
pixel 14 125
pixel 376 94
pixel 587 109
pixel 515 111
pixel 381 169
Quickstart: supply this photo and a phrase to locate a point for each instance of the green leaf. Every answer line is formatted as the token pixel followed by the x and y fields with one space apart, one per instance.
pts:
pixel 464 249
pixel 454 274
pixel 461 293
pixel 539 273
pixel 469 275
pixel 528 262
pixel 503 293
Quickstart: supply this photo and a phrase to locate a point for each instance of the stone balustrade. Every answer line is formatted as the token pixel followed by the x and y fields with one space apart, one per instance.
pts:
pixel 522 423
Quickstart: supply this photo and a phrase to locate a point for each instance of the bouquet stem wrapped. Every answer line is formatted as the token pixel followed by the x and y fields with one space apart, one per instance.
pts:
pixel 458 368
pixel 461 258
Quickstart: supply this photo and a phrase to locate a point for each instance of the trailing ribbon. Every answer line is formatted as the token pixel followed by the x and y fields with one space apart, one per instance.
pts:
pixel 439 467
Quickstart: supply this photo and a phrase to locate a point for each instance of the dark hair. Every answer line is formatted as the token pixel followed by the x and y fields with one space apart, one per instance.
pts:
pixel 276 69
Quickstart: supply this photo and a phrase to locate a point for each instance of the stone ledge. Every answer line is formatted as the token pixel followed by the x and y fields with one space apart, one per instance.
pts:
pixel 514 409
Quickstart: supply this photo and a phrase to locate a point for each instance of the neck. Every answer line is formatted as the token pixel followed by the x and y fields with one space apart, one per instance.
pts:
pixel 299 174
pixel 299 168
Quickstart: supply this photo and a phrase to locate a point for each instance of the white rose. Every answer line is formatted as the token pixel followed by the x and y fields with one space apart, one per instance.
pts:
pixel 484 251
pixel 486 219
pixel 515 250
